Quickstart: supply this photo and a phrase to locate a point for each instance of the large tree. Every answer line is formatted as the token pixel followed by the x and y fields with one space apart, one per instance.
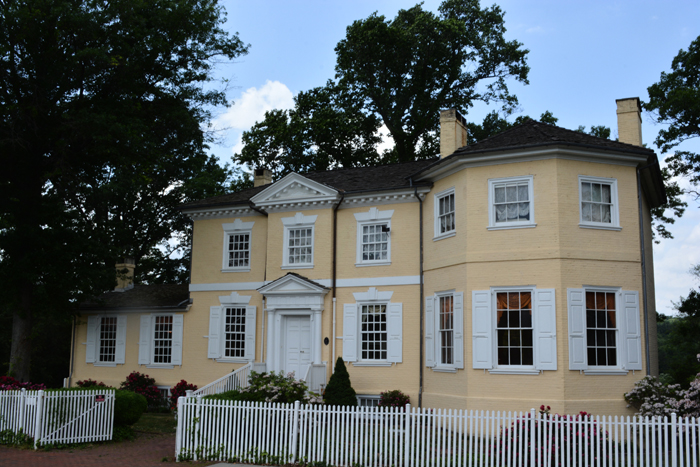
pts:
pixel 406 69
pixel 101 112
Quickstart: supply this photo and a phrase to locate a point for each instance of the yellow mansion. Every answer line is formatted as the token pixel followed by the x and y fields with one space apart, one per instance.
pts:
pixel 507 274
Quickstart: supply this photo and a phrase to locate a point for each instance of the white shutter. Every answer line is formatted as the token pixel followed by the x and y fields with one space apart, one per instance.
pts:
pixel 630 331
pixel 350 332
pixel 92 325
pixel 430 343
pixel 545 330
pixel 176 358
pixel 576 304
pixel 395 332
pixel 458 329
pixel 145 340
pixel 250 315
pixel 215 320
pixel 482 330
pixel 121 339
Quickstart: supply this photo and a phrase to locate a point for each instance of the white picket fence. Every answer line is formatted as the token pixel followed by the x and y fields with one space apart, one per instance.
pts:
pixel 58 417
pixel 272 433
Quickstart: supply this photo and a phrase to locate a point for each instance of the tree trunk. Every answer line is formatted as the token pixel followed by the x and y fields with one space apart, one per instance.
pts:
pixel 21 350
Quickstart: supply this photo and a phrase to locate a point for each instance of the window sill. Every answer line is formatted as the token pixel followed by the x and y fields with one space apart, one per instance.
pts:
pixel 236 270
pixel 444 236
pixel 298 266
pixel 372 363
pixel 232 360
pixel 514 371
pixel 444 369
pixel 602 371
pixel 107 364
pixel 375 263
pixel 511 226
pixel 599 226
pixel 163 367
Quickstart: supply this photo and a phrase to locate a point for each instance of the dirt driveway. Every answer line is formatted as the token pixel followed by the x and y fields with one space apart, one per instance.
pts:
pixel 145 450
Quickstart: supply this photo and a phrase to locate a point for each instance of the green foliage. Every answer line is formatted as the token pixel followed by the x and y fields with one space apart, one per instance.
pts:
pixel 17 439
pixel 123 433
pixel 270 387
pixel 128 407
pixel 101 139
pixel 339 390
pixel 394 398
pixel 90 384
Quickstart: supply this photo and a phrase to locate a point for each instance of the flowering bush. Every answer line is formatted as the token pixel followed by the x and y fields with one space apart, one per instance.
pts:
pixel 179 390
pixel 689 403
pixel 393 398
pixel 272 387
pixel 8 383
pixel 590 435
pixel 652 397
pixel 88 384
pixel 144 385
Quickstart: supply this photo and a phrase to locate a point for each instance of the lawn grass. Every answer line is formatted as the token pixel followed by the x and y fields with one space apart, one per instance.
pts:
pixel 156 423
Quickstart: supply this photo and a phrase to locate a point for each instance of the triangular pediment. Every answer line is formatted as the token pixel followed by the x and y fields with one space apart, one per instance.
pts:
pixel 293 190
pixel 292 284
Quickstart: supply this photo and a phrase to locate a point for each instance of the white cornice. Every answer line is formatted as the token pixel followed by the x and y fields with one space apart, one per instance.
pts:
pixel 378 198
pixel 528 155
pixel 295 191
pixel 220 212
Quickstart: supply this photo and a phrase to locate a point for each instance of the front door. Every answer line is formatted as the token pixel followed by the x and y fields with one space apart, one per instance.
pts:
pixel 297 345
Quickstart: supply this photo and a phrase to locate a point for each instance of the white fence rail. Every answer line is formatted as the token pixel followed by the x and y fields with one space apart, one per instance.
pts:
pixel 58 417
pixel 235 380
pixel 380 437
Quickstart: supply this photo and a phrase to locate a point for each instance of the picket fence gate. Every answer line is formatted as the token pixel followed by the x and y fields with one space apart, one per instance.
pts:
pixel 273 433
pixel 58 417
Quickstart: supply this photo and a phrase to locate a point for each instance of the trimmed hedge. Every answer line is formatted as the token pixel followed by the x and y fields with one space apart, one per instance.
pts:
pixel 128 407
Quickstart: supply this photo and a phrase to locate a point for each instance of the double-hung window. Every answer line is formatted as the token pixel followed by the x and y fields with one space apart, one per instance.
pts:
pixel 598 203
pixel 232 329
pixel 514 330
pixel 298 241
pixel 604 330
pixel 373 237
pixel 106 340
pixel 511 203
pixel 160 342
pixel 237 246
pixel 372 329
pixel 445 214
pixel 444 331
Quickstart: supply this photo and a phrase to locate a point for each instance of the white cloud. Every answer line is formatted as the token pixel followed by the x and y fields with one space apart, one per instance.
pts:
pixel 252 104
pixel 387 141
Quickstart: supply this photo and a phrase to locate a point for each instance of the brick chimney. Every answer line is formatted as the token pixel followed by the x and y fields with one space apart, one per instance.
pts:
pixel 262 177
pixel 453 132
pixel 629 121
pixel 125 274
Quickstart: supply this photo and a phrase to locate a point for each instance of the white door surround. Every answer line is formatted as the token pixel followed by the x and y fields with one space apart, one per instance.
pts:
pixel 296 344
pixel 289 297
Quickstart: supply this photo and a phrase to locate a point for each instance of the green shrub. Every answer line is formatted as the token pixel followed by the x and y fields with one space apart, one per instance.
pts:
pixel 339 390
pixel 146 386
pixel 393 398
pixel 128 407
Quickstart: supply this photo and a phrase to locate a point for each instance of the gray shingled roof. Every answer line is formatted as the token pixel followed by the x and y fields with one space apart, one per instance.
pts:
pixel 351 180
pixel 142 296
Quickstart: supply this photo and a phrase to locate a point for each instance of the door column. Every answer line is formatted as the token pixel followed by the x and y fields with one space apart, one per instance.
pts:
pixel 317 335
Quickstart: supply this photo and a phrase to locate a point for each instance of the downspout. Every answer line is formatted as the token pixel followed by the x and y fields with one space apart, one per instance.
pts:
pixel 644 267
pixel 333 279
pixel 264 302
pixel 72 354
pixel 421 339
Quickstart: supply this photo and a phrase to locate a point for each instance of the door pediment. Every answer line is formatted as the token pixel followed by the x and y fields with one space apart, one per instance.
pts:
pixel 294 291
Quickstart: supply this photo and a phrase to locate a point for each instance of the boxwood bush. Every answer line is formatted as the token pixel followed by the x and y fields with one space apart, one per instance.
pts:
pixel 128 407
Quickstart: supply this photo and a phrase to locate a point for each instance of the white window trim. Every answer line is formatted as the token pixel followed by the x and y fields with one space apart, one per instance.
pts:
pixel 94 341
pixel 436 201
pixel 298 221
pixel 147 341
pixel 216 335
pixel 372 217
pixel 485 333
pixel 237 227
pixel 457 333
pixel 516 224
pixel 614 210
pixel 621 331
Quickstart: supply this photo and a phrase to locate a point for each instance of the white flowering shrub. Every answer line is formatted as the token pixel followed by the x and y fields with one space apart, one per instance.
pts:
pixel 272 387
pixel 652 397
pixel 689 403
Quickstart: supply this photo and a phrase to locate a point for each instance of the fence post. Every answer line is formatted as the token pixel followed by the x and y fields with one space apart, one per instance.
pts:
pixel 38 431
pixel 178 432
pixel 22 409
pixel 198 415
pixel 406 433
pixel 674 439
pixel 295 432
pixel 532 438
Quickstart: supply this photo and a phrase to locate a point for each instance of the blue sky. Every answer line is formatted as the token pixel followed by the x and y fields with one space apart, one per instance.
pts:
pixel 583 56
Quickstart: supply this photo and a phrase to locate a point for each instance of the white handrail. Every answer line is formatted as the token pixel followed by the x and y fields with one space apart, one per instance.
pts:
pixel 237 379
